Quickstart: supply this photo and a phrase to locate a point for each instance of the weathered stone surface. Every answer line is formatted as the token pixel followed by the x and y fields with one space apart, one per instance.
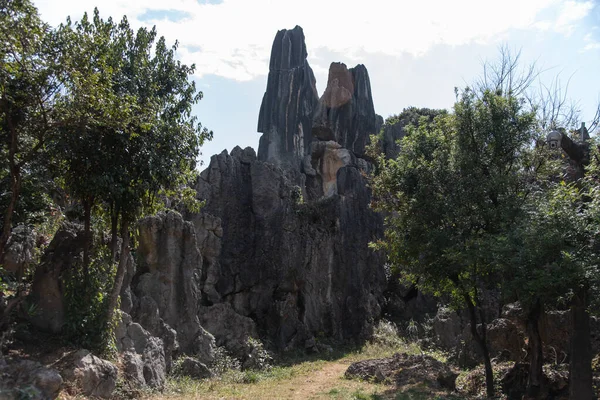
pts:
pixel 326 159
pixel 153 357
pixel 287 108
pixel 145 358
pixel 193 368
pixel 168 277
pixel 229 328
pixel 63 254
pixel 133 366
pixel 19 250
pixel 345 112
pixel 453 333
pixel 296 268
pixel 24 376
pixel 404 369
pixel 95 376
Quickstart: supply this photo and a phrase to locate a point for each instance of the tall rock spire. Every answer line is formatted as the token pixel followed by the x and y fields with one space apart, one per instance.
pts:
pixel 346 113
pixel 289 102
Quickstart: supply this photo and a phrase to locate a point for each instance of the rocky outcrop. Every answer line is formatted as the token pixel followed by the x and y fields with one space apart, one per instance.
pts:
pixel 64 254
pixel 287 108
pixel 453 333
pixel 280 249
pixel 345 112
pixel 144 360
pixel 28 379
pixel 295 267
pixel 95 376
pixel 167 280
pixel 193 368
pixel 229 328
pixel 404 369
pixel 19 250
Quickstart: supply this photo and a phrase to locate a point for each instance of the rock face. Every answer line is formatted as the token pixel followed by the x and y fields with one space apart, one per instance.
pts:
pixel 288 104
pixel 63 254
pixel 167 278
pixel 96 377
pixel 296 268
pixel 19 250
pixel 28 379
pixel 280 249
pixel 346 113
pixel 144 357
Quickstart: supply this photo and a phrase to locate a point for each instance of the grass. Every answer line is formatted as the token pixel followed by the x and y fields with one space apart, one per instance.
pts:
pixel 316 376
pixel 299 376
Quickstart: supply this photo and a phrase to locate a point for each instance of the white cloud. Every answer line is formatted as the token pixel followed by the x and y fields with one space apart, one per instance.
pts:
pixel 233 39
pixel 590 43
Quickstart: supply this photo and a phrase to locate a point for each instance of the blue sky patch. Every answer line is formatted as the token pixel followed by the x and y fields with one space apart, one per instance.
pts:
pixel 171 15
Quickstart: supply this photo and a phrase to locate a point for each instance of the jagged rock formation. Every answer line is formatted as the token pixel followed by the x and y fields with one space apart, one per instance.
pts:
pixel 288 104
pixel 295 268
pixel 346 113
pixel 28 379
pixel 280 250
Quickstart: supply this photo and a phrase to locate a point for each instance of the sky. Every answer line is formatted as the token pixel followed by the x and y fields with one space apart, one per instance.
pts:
pixel 416 52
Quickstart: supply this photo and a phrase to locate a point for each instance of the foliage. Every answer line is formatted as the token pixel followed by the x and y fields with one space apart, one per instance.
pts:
pixel 553 252
pixel 458 184
pixel 258 358
pixel 28 88
pixel 86 300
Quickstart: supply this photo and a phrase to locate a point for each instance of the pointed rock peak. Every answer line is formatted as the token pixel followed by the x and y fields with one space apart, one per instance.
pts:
pixel 288 104
pixel 340 86
pixel 345 112
pixel 289 49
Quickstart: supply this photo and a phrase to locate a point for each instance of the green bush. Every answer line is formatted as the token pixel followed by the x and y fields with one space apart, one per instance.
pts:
pixel 86 300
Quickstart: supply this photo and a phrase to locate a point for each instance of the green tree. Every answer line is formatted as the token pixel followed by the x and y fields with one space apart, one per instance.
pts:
pixel 28 87
pixel 129 127
pixel 456 185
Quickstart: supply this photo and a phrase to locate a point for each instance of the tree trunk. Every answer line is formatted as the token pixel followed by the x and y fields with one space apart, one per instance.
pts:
pixel 8 214
pixel 87 216
pixel 535 380
pixel 121 269
pixel 580 367
pixel 15 187
pixel 114 231
pixel 481 341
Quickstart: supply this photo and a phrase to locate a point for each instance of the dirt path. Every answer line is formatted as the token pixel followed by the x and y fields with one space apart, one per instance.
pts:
pixel 325 381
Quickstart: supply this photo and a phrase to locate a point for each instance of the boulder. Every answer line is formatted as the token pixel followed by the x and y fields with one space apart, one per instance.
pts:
pixel 95 376
pixel 20 378
pixel 193 368
pixel 19 251
pixel 404 369
pixel 64 253
pixel 229 328
pixel 144 356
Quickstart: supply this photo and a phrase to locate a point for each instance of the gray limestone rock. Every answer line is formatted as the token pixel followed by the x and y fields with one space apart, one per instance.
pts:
pixel 345 112
pixel 229 328
pixel 168 277
pixel 193 368
pixel 289 101
pixel 95 376
pixel 19 377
